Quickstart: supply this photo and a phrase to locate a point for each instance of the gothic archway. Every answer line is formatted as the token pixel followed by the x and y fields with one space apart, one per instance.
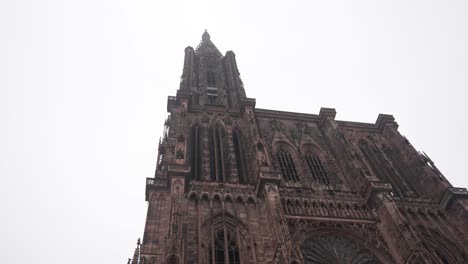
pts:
pixel 334 248
pixel 219 152
pixel 226 240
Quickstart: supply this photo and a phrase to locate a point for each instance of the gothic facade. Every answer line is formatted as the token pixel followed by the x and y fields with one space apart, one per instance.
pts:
pixel 237 184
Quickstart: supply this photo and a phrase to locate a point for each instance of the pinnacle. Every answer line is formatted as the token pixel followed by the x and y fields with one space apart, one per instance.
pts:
pixel 205 35
pixel 206 46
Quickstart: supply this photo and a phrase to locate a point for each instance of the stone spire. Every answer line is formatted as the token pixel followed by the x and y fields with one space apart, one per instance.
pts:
pixel 136 254
pixel 206 46
pixel 205 36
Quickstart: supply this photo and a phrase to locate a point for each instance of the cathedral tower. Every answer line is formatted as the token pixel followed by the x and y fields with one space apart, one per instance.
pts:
pixel 237 184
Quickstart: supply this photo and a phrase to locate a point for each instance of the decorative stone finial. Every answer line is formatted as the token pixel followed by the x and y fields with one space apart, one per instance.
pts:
pixel 205 35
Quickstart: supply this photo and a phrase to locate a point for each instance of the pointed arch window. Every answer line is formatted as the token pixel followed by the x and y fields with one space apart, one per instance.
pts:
pixel 210 78
pixel 212 95
pixel 240 158
pixel 286 163
pixel 225 249
pixel 385 170
pixel 218 154
pixel 196 162
pixel 316 169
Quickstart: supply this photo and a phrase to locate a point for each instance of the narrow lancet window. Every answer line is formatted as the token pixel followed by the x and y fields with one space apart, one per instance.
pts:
pixel 241 170
pixel 219 247
pixel 196 153
pixel 384 169
pixel 218 154
pixel 286 163
pixel 225 248
pixel 316 169
pixel 212 95
pixel 210 78
pixel 212 155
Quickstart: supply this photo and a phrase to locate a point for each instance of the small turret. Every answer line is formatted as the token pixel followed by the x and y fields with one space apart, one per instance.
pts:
pixel 205 36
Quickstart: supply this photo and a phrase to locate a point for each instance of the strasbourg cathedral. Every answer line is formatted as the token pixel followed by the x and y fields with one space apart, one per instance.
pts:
pixel 236 184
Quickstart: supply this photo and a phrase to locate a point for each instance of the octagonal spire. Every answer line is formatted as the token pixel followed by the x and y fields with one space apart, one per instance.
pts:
pixel 205 36
pixel 206 46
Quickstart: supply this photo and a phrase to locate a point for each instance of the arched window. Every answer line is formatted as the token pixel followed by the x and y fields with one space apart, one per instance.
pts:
pixel 286 164
pixel 316 169
pixel 225 249
pixel 225 238
pixel 210 78
pixel 240 158
pixel 218 154
pixel 195 141
pixel 384 169
pixel 212 95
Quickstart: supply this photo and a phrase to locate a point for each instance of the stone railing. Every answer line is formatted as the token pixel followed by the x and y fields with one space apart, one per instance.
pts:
pixel 171 100
pixel 212 188
pixel 326 208
pixel 319 192
pixel 178 168
pixel 156 182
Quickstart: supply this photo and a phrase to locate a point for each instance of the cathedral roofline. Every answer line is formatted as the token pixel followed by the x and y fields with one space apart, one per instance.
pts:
pixel 238 184
pixel 381 119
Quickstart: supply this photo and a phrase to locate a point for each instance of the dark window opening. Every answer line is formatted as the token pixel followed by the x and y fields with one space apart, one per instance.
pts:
pixel 212 99
pixel 212 95
pixel 225 248
pixel 218 154
pixel 195 139
pixel 384 170
pixel 286 163
pixel 241 170
pixel 219 247
pixel 212 156
pixel 210 78
pixel 316 169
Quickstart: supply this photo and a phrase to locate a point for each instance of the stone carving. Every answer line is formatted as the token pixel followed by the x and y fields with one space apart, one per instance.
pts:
pixel 347 219
pixel 295 136
pixel 180 154
pixel 335 249
pixel 227 121
pixel 277 125
pixel 205 119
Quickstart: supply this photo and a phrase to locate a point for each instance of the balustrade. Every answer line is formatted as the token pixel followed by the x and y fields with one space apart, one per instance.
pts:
pixel 305 207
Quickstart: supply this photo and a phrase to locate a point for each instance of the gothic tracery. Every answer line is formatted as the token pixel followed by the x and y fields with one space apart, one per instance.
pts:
pixel 335 249
pixel 242 185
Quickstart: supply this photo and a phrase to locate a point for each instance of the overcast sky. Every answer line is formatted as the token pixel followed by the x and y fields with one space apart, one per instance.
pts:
pixel 84 84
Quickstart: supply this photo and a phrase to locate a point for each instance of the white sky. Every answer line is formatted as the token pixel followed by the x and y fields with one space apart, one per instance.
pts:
pixel 83 89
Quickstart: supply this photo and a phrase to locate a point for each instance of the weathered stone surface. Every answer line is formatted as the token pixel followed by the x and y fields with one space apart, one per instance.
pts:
pixel 238 184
